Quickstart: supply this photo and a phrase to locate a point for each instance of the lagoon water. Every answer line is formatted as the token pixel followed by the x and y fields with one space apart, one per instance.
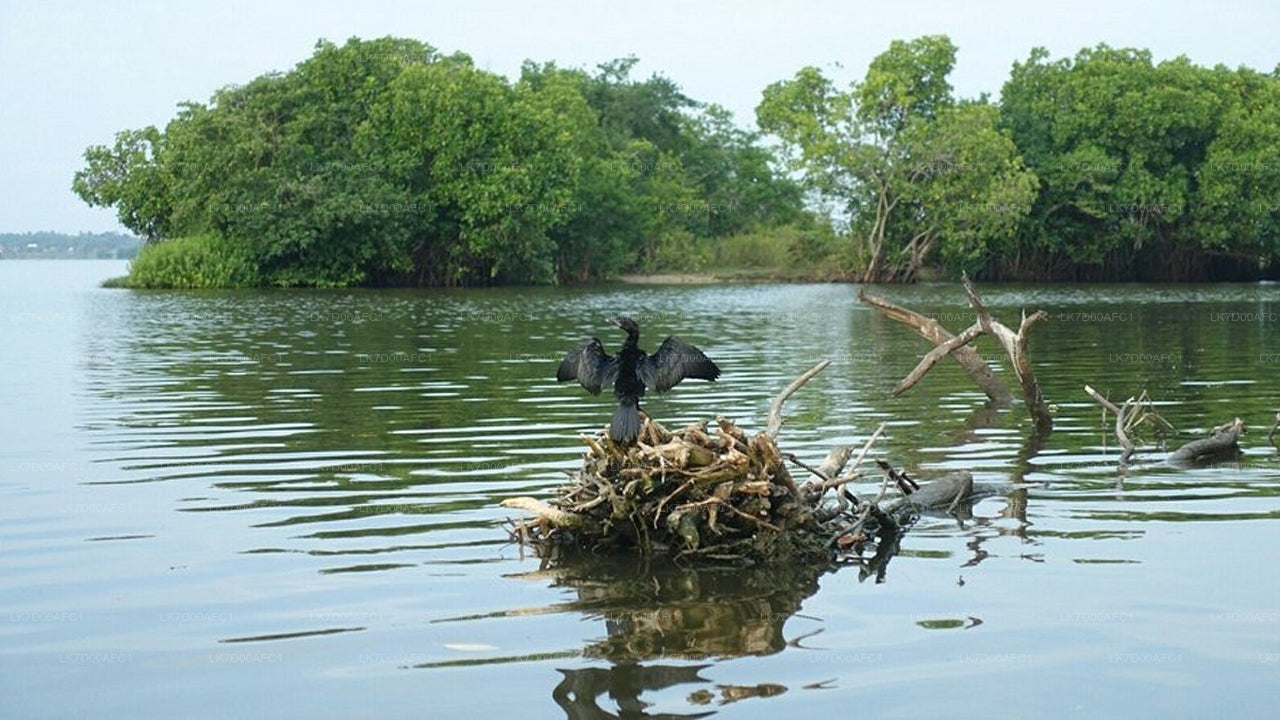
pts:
pixel 284 504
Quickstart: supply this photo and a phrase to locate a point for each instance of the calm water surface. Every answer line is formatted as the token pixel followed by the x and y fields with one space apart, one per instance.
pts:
pixel 284 504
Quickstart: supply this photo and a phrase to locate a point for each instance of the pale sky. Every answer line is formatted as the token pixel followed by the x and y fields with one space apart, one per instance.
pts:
pixel 74 73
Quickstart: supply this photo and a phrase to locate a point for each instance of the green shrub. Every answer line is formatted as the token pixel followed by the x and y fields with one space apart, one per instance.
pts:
pixel 679 251
pixel 759 248
pixel 197 261
pixel 797 248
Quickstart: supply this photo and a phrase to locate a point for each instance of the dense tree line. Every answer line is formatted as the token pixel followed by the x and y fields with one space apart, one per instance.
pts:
pixel 1101 166
pixel 1146 170
pixel 387 162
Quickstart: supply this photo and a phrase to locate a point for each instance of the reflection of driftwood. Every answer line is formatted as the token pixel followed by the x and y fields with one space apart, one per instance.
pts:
pixel 734 693
pixel 1014 344
pixel 579 692
pixel 653 608
pixel 1224 441
pixel 653 611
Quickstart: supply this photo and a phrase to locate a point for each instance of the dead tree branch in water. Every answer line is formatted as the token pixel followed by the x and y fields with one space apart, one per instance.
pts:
pixel 930 329
pixel 775 410
pixel 1119 412
pixel 1130 415
pixel 1224 441
pixel 1015 344
pixel 957 346
pixel 725 497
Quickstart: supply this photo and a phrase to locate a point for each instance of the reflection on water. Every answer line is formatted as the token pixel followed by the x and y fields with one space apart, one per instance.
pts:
pixel 655 610
pixel 579 693
pixel 659 611
pixel 207 497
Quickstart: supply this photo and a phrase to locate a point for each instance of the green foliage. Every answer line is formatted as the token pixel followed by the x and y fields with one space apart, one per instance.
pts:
pixel 918 174
pixel 970 188
pixel 386 162
pixel 1238 184
pixel 661 173
pixel 1146 170
pixel 801 250
pixel 810 249
pixel 905 83
pixel 199 261
pixel 129 177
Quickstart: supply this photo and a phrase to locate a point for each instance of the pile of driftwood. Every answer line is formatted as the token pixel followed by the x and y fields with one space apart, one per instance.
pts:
pixel 725 495
pixel 717 493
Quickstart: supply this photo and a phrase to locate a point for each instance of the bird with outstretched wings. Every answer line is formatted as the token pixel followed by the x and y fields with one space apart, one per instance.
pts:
pixel 632 371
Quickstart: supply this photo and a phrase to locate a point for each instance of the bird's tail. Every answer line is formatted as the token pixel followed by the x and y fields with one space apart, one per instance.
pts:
pixel 626 422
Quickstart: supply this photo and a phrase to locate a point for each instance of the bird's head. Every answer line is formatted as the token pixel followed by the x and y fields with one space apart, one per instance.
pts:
pixel 627 324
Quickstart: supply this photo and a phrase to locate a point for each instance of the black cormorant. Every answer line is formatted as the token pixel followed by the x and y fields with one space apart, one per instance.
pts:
pixel 632 371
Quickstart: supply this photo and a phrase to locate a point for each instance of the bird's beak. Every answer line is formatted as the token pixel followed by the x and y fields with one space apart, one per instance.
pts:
pixel 615 321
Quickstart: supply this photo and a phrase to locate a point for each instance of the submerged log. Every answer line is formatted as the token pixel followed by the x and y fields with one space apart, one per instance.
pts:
pixel 941 493
pixel 947 493
pixel 1224 441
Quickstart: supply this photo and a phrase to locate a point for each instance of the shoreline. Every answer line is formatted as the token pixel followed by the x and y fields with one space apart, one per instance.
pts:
pixel 670 279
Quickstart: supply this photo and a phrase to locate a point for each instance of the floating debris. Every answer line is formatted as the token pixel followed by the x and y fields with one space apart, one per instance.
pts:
pixel 720 494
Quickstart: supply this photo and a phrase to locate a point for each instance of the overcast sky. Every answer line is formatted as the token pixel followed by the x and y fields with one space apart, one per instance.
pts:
pixel 74 73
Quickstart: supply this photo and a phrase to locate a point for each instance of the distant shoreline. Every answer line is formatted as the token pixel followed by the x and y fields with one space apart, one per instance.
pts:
pixel 671 279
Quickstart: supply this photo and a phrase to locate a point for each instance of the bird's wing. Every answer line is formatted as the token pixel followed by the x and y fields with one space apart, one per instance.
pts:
pixel 590 365
pixel 673 362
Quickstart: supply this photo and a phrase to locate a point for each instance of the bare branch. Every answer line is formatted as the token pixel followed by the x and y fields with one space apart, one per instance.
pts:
pixel 1119 412
pixel 775 409
pixel 932 357
pixel 930 329
pixel 555 516
pixel 832 481
pixel 1106 404
pixel 1015 344
pixel 1120 433
pixel 862 454
pixel 816 471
